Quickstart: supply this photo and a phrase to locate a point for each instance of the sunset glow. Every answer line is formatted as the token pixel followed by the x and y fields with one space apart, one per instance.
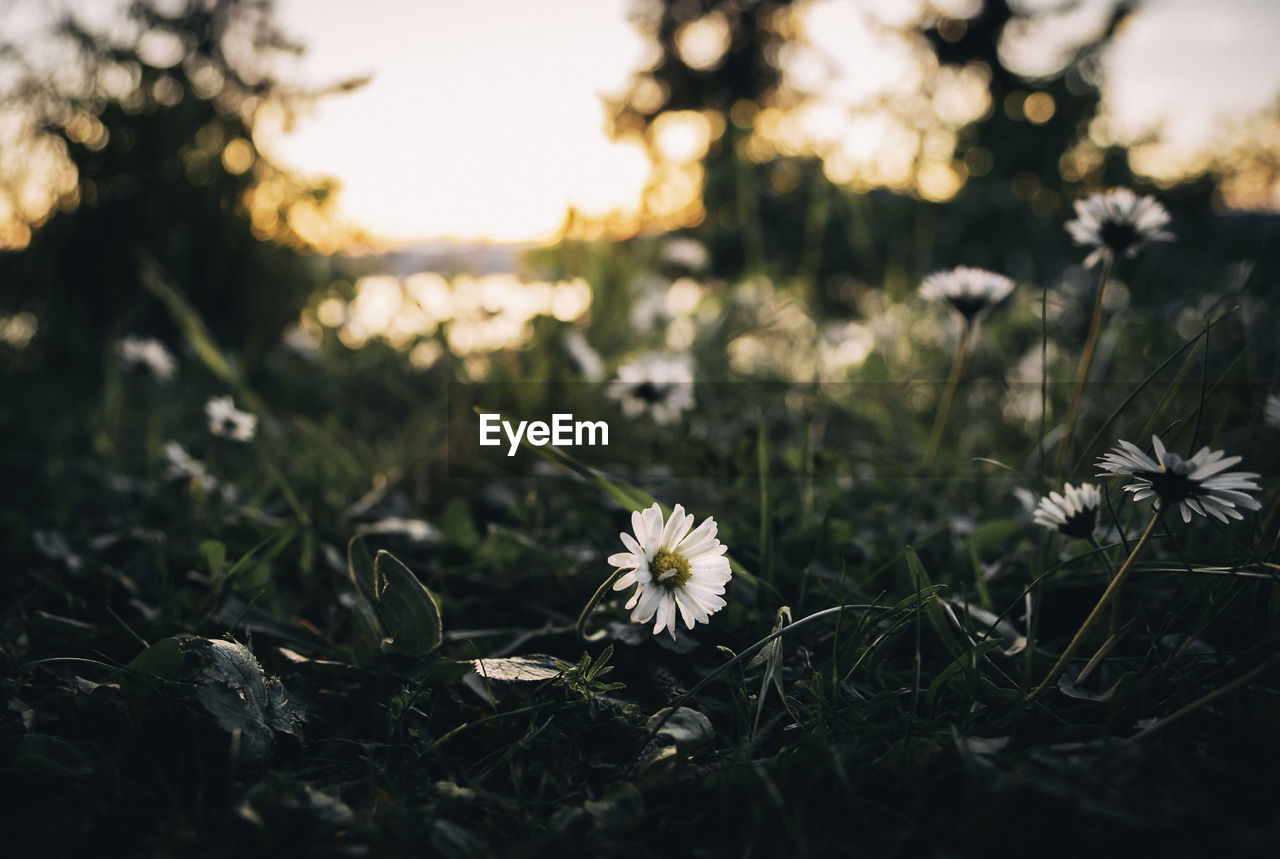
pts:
pixel 483 120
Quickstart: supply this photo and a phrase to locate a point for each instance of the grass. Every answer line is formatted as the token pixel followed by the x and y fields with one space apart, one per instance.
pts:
pixel 291 668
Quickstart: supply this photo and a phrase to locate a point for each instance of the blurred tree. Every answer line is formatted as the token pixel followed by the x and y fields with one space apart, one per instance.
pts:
pixel 152 122
pixel 721 64
pixel 1032 148
pixel 712 54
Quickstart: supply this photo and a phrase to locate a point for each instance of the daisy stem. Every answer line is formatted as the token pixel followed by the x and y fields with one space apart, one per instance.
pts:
pixel 949 393
pixel 1115 603
pixel 1268 523
pixel 1086 358
pixel 1209 698
pixel 1106 597
pixel 591 604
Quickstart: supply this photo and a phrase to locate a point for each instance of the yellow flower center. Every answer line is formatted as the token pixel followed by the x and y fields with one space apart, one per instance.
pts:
pixel 670 570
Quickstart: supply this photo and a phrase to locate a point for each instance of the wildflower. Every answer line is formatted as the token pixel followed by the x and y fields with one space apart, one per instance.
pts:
pixel 658 383
pixel 53 545
pixel 1073 513
pixel 226 421
pixel 673 569
pixel 1118 221
pixel 971 292
pixel 149 353
pixel 583 355
pixel 303 340
pixel 649 307
pixel 418 530
pixel 1200 484
pixel 1272 412
pixel 183 466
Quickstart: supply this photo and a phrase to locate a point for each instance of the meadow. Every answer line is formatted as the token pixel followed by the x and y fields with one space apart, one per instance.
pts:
pixel 288 605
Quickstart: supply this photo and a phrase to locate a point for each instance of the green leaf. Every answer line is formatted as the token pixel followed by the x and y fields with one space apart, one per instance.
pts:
pixel 456 527
pixel 984 537
pixel 360 568
pixel 990 534
pixel 770 656
pixel 164 658
pixel 407 611
pixel 215 557
pixel 934 607
pixel 965 662
pixel 47 755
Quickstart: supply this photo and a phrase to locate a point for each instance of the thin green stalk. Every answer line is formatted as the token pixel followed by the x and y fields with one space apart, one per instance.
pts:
pixel 1115 603
pixel 1209 698
pixel 948 395
pixel 1268 524
pixel 1086 358
pixel 591 604
pixel 762 462
pixel 751 651
pixel 1111 590
pixel 285 488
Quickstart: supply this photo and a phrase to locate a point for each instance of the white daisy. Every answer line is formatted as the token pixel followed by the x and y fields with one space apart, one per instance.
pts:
pixel 1120 221
pixel 149 353
pixel 1271 413
pixel 1074 512
pixel 226 421
pixel 304 341
pixel 673 569
pixel 971 292
pixel 1198 484
pixel 656 382
pixel 183 466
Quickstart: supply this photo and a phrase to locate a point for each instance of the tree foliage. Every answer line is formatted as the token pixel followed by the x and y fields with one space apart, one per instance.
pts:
pixel 155 123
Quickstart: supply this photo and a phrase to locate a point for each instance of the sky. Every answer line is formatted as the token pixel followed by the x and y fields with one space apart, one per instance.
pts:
pixel 484 119
pixel 1187 66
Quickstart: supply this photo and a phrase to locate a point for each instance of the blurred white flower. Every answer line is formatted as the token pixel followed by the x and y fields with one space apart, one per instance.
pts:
pixel 584 357
pixel 1272 410
pixel 658 383
pixel 685 252
pixel 649 307
pixel 1073 513
pixel 674 569
pixel 418 530
pixel 1118 221
pixel 971 292
pixel 1199 484
pixel 53 545
pixel 148 353
pixel 18 329
pixel 183 466
pixel 226 421
pixel 303 340
pixel 1022 399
